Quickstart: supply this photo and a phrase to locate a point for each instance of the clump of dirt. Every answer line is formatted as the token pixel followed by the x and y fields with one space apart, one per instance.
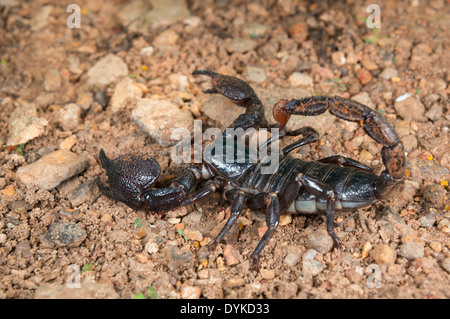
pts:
pixel 81 89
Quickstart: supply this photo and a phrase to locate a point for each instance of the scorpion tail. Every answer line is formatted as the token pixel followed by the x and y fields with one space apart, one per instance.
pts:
pixel 374 124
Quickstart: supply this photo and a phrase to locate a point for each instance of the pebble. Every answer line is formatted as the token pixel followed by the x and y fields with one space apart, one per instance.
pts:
pixel 68 142
pixel 126 94
pixel 159 118
pixel 254 30
pixel 234 283
pixel 434 193
pixel 168 37
pixel 300 79
pixel 338 58
pixel 409 142
pixel 214 108
pixel 69 117
pixel 3 239
pixel 193 235
pixel 428 170
pixel 106 71
pixel 179 259
pixel 320 241
pixel 88 290
pixel 190 292
pixel 411 109
pixel 254 74
pixel 101 98
pixel 52 169
pixel 267 274
pixel 25 125
pixel 84 101
pixel 323 72
pixel 241 45
pixel 384 254
pixel 363 98
pixel 413 247
pixel 446 264
pixel 369 64
pixel 151 247
pixel 298 32
pixel 292 259
pixel 428 220
pixel 367 247
pixel 285 219
pixel 147 51
pixel 64 234
pixel 310 265
pixel 364 76
pixel 52 81
pixel 231 255
pixel 435 112
pixel 388 73
pixel 83 193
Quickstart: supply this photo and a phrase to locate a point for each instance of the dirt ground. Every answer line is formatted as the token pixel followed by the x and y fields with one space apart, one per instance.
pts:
pixel 59 107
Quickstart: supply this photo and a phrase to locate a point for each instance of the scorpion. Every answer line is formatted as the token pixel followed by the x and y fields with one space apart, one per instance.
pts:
pixel 325 186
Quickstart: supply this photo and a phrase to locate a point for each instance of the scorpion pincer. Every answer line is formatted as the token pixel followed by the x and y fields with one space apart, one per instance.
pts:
pixel 324 186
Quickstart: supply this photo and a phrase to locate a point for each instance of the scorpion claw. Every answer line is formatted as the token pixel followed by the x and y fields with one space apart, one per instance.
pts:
pixel 129 176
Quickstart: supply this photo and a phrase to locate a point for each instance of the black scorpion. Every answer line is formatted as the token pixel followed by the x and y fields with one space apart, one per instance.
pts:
pixel 325 186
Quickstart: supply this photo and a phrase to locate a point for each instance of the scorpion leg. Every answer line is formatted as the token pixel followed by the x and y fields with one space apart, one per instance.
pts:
pixel 236 208
pixel 322 190
pixel 374 125
pixel 346 161
pixel 241 94
pixel 208 190
pixel 310 135
pixel 272 220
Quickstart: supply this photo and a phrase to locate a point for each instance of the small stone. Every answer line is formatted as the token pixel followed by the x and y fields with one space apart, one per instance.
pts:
pixel 445 264
pixel 179 259
pixel 434 193
pixel 69 117
pixel 101 98
pixel 323 72
pixel 64 235
pixel 231 255
pixel 262 230
pixel 367 247
pixel 3 239
pixel 49 171
pixel 234 283
pixel 151 247
pixel 52 81
pixel 388 73
pixel 8 191
pixel 168 37
pixel 435 112
pixel 411 109
pixel 84 101
pixel 412 249
pixel 40 19
pixel 190 292
pixel 255 30
pixel 83 193
pixel 25 125
pixel 107 70
pixel 384 254
pixel 285 219
pixel 320 241
pixel 267 273
pixel 311 266
pixel 106 219
pixel 147 51
pixel 193 235
pixel 241 45
pixel 142 258
pixel 338 58
pixel 428 170
pixel 409 142
pixel 369 64
pixel 20 206
pixel 365 155
pixel 437 247
pixel 364 98
pixel 179 82
pixel 300 79
pixel 364 76
pixel 68 142
pixel 292 259
pixel 254 74
pixel 126 94
pixel 427 221
pixel 159 119
pixel 298 31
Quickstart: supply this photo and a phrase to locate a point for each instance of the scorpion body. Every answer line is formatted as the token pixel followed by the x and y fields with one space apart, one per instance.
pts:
pixel 325 186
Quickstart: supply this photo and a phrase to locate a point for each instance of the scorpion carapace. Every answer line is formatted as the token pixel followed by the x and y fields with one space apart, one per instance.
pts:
pixel 299 187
